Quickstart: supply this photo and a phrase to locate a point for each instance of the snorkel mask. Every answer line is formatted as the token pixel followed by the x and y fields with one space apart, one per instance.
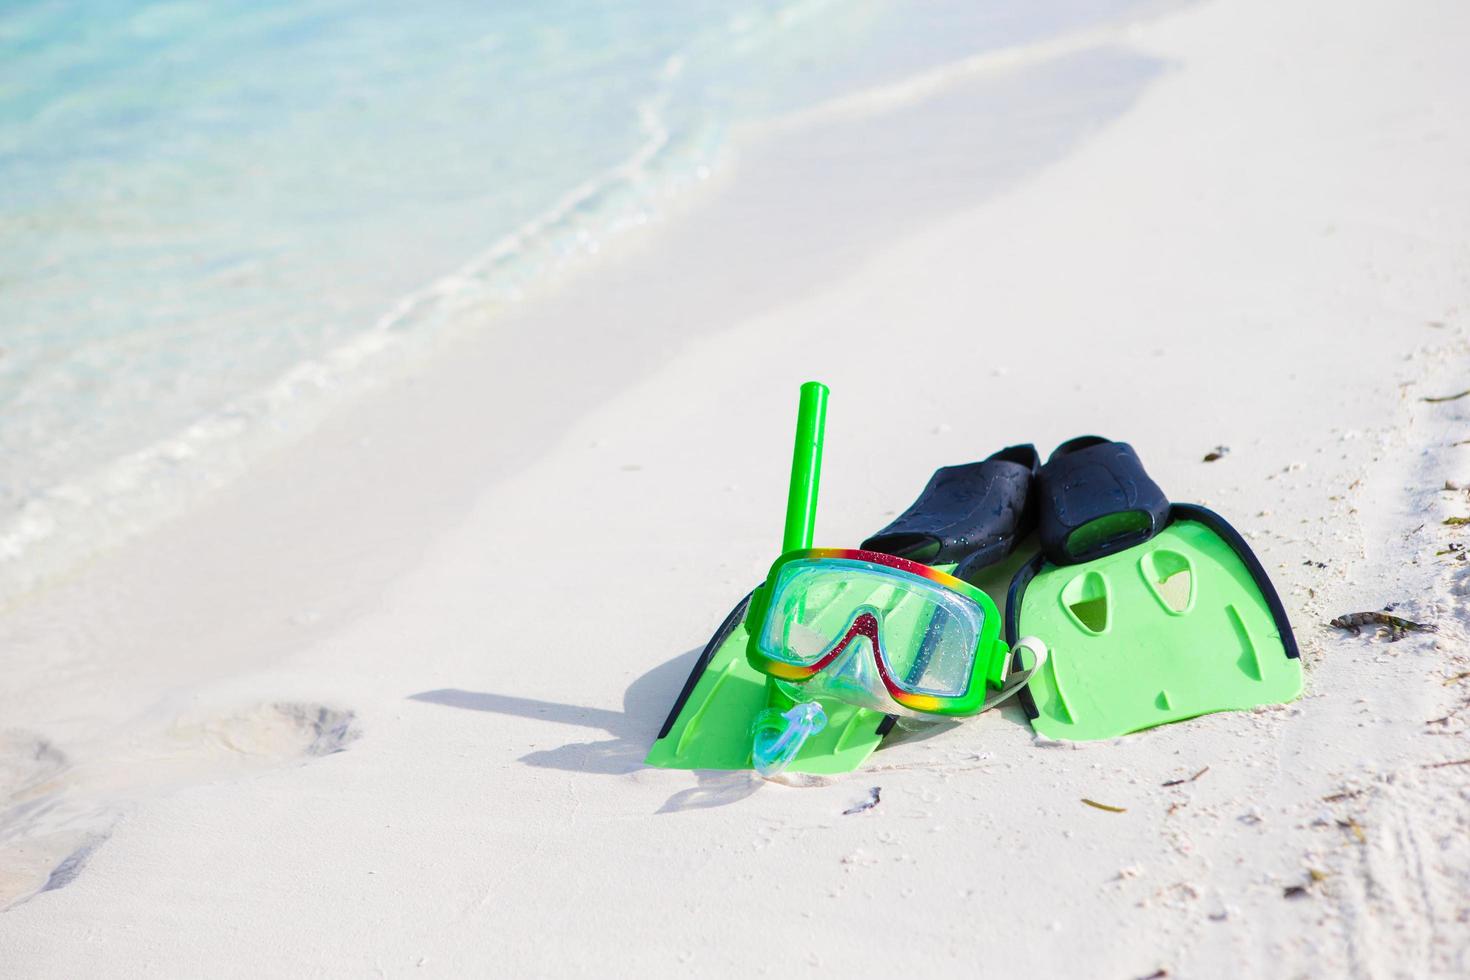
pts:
pixel 866 628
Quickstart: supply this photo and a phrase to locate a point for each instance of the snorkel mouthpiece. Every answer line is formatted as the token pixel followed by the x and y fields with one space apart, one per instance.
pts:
pixel 779 735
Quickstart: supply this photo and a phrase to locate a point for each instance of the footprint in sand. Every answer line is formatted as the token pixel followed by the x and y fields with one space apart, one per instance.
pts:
pixel 57 807
pixel 42 841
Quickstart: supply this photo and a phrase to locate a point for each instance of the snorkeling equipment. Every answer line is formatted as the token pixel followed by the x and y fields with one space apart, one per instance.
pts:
pixel 973 513
pixel 882 632
pixel 780 735
pixel 710 724
pixel 1153 612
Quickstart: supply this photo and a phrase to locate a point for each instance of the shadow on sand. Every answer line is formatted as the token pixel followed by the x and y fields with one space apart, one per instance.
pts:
pixel 645 704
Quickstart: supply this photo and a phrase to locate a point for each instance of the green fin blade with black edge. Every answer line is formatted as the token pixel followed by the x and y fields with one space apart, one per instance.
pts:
pixel 1180 624
pixel 709 727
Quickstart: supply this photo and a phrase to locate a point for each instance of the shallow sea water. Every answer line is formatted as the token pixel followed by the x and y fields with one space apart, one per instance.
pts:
pixel 218 218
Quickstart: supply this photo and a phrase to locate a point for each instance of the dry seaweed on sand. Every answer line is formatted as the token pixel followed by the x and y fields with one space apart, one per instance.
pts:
pixel 1441 765
pixel 1456 521
pixel 1103 806
pixel 1457 678
pixel 1447 398
pixel 1181 782
pixel 875 796
pixel 1352 824
pixel 1397 626
pixel 1346 794
pixel 1445 719
pixel 1314 877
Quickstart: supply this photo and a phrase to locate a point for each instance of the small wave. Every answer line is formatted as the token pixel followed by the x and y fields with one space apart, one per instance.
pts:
pixel 58 528
pixel 924 85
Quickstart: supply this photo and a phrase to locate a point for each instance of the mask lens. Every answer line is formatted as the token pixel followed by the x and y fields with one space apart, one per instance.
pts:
pixel 930 639
pixel 811 608
pixel 928 632
pixel 944 655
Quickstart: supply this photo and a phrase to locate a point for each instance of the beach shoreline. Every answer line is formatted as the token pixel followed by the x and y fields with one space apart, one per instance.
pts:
pixel 381 703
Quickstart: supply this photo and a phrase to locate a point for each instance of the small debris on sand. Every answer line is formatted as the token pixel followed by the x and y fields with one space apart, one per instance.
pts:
pixel 1357 829
pixel 1445 719
pixel 1314 877
pixel 1181 782
pixel 875 796
pixel 1219 452
pixel 1103 806
pixel 1397 627
pixel 1448 398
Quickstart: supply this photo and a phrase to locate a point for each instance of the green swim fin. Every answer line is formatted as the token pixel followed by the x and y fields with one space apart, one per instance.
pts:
pixel 710 724
pixel 968 516
pixel 1152 612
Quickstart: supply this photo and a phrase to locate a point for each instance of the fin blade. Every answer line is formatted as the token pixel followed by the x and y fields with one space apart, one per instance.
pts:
pixel 1250 660
pixel 1158 658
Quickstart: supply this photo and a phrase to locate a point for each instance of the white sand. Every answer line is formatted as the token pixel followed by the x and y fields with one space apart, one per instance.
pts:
pixel 1244 224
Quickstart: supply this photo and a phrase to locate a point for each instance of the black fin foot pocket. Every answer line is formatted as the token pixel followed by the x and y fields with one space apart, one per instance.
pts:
pixel 973 514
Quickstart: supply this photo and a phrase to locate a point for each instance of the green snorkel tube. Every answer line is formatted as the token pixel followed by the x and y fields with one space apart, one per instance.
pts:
pixel 782 729
pixel 806 468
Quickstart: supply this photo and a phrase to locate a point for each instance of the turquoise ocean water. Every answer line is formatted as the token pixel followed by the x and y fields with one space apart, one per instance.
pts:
pixel 216 217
